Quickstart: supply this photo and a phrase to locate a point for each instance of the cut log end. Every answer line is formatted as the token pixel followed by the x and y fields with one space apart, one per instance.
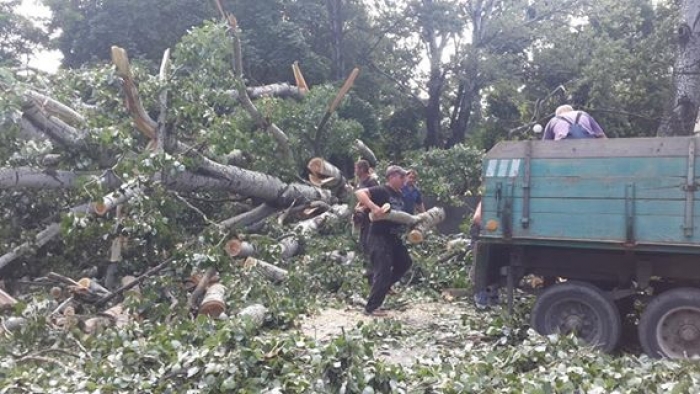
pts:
pixel 415 237
pixel 100 208
pixel 316 165
pixel 233 247
pixel 214 303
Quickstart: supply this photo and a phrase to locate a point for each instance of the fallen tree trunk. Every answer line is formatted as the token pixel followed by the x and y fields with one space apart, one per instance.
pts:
pixel 270 271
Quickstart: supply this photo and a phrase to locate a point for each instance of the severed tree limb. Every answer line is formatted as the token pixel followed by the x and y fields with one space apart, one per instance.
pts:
pixel 299 77
pixel 260 121
pixel 365 152
pixel 270 271
pixel 247 218
pixel 279 90
pixel 55 107
pixel 126 192
pixel 332 107
pixel 162 132
pixel 133 103
pixel 289 246
pixel 41 239
pixel 56 129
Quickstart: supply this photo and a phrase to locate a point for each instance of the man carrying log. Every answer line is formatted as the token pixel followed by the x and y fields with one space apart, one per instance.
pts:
pixel 361 215
pixel 388 255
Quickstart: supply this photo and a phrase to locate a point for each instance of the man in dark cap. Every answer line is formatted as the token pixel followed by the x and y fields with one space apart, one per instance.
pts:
pixel 388 255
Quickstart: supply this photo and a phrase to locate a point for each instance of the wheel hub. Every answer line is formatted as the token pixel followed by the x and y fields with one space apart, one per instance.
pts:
pixel 689 332
pixel 678 332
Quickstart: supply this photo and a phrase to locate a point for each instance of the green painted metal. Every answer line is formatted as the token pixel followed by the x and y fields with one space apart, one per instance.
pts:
pixel 623 193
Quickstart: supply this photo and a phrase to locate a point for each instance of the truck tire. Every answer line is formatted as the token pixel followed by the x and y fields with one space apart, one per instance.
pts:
pixel 581 308
pixel 670 324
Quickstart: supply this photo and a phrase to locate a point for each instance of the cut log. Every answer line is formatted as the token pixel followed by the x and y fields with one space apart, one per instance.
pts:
pixel 115 316
pixel 237 248
pixel 268 270
pixel 12 324
pixel 126 192
pixel 289 247
pixel 214 302
pixel 6 301
pixel 336 213
pixel 254 313
pixel 88 285
pixel 421 222
pixel 428 220
pixel 201 287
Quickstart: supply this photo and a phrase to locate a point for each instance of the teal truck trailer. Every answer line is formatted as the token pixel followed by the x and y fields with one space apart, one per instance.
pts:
pixel 604 222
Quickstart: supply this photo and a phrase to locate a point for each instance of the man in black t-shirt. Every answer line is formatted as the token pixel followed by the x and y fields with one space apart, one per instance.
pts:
pixel 388 256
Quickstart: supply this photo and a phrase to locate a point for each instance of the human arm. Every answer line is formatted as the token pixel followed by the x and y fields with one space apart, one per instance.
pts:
pixel 364 198
pixel 595 127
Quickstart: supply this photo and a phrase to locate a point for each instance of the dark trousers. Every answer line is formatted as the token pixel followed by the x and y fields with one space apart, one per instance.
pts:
pixel 364 246
pixel 390 260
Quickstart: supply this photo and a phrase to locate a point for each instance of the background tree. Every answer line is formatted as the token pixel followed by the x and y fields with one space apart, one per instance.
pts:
pixel 682 110
pixel 87 29
pixel 19 36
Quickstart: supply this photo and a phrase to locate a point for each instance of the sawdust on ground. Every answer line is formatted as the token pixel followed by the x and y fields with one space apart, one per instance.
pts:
pixel 429 329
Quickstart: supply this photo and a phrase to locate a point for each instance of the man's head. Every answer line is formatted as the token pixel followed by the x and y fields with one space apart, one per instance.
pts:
pixel 362 168
pixel 562 109
pixel 411 177
pixel 395 176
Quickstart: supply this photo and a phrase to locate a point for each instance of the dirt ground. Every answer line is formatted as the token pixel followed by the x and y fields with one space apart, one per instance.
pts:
pixel 429 330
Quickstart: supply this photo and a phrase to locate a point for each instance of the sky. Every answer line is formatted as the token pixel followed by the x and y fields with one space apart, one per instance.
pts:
pixel 48 61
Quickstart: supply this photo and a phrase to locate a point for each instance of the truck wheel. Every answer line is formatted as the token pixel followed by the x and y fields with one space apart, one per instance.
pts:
pixel 581 308
pixel 670 324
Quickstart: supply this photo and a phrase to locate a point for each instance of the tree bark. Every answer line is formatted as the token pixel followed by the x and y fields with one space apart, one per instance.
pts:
pixel 270 271
pixel 681 114
pixel 335 16
pixel 279 90
pixel 255 313
pixel 366 153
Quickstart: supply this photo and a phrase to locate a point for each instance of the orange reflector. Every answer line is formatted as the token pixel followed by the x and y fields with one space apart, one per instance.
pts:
pixel 492 225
